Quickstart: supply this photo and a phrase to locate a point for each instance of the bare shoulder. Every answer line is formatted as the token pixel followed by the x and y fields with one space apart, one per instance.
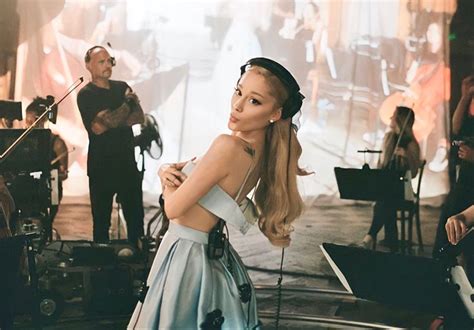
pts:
pixel 233 145
pixel 224 139
pixel 226 143
pixel 229 147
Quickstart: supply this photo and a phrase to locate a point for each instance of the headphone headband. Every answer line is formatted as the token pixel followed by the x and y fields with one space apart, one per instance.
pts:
pixel 87 57
pixel 295 99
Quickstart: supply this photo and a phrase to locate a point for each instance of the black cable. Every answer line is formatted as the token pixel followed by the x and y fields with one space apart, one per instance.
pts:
pixel 152 220
pixel 289 273
pixel 280 279
pixel 229 265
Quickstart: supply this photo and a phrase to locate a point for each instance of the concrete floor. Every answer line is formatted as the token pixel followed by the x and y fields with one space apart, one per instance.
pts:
pixel 304 266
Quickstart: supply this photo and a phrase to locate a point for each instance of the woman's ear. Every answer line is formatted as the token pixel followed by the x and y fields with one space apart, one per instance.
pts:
pixel 276 115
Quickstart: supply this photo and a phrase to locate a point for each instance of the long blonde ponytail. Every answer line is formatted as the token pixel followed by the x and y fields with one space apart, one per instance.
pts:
pixel 277 196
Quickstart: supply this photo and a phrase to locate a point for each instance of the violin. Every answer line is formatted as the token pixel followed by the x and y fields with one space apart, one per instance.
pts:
pixel 398 163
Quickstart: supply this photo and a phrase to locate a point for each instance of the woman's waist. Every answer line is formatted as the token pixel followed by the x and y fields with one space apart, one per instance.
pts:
pixel 179 230
pixel 197 218
pixel 195 225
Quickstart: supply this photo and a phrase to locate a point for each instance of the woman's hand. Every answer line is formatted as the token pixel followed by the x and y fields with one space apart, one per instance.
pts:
pixel 171 175
pixel 467 87
pixel 400 152
pixel 466 153
pixel 456 228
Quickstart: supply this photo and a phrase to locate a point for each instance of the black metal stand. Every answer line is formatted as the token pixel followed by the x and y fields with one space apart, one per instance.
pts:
pixel 370 184
pixel 413 283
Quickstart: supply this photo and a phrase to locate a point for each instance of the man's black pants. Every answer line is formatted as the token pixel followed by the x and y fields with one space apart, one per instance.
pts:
pixel 129 191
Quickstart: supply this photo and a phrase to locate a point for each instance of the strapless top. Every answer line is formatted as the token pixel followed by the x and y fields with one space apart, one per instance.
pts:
pixel 222 205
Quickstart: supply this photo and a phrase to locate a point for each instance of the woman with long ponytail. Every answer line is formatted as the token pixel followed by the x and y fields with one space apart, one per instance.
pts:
pixel 197 279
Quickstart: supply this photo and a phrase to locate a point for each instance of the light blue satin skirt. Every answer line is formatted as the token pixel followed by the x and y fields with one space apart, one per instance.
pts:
pixel 186 288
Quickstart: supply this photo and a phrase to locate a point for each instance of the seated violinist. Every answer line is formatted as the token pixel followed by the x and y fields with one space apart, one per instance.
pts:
pixel 400 152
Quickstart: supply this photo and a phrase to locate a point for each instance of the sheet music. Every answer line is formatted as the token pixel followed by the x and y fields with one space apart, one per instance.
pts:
pixel 336 270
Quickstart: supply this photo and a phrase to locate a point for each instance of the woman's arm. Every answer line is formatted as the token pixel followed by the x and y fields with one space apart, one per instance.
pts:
pixel 410 157
pixel 382 161
pixel 457 225
pixel 211 169
pixel 459 114
pixel 60 149
pixel 413 157
pixel 463 104
pixel 172 175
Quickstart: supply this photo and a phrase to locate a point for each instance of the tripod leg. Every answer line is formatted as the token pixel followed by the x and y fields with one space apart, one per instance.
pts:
pixel 30 252
pixel 418 227
pixel 403 237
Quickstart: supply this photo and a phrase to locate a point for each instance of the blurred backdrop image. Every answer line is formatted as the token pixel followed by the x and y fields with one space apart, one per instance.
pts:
pixel 355 60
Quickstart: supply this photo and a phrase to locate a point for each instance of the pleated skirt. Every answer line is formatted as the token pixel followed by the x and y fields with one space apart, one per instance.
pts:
pixel 187 290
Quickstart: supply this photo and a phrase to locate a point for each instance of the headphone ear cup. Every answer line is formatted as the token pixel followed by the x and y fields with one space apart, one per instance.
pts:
pixel 87 58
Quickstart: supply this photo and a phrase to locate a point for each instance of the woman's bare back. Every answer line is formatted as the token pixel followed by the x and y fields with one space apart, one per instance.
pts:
pixel 243 160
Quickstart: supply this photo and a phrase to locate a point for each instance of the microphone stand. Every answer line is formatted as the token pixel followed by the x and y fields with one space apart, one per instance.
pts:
pixel 48 109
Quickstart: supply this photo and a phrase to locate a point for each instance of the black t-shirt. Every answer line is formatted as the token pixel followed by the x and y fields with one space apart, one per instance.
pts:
pixel 112 152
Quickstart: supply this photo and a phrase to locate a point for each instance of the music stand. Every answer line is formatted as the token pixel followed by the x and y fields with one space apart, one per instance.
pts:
pixel 409 282
pixel 370 184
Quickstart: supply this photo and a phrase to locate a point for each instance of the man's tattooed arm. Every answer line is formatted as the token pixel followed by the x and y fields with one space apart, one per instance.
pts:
pixel 136 116
pixel 110 119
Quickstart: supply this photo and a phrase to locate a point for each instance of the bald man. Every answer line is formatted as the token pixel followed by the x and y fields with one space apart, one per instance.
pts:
pixel 108 109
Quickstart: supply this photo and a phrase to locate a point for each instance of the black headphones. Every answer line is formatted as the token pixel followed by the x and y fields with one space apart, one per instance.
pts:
pixel 295 99
pixel 87 58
